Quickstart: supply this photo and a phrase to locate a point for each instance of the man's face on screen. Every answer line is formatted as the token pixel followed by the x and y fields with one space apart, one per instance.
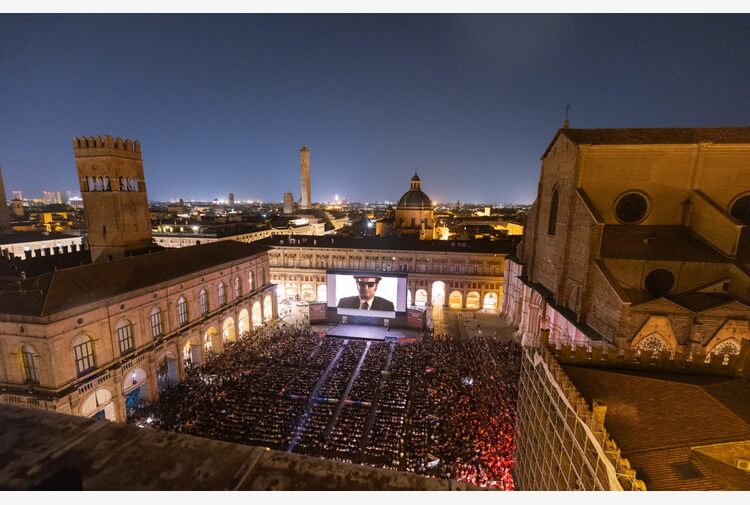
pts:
pixel 366 287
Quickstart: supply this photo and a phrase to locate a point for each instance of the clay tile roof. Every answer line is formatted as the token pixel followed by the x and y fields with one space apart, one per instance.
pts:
pixel 71 287
pixel 656 418
pixel 635 136
pixel 656 242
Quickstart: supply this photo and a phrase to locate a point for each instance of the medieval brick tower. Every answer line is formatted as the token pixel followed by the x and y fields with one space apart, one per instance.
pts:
pixel 304 175
pixel 110 172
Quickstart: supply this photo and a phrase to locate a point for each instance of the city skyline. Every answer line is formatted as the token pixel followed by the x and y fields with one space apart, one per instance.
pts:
pixel 464 98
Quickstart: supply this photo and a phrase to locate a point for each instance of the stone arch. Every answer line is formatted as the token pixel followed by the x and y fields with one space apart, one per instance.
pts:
pixel 211 339
pixel 308 292
pixel 656 329
pixel 243 322
pixel 257 314
pixel 267 308
pixel 99 404
pixel 322 293
pixel 167 370
pixel 408 297
pixel 420 298
pixel 438 293
pixel 228 330
pixel 728 340
pixel 134 378
pixel 291 290
pixel 455 299
pixel 490 301
pixel 191 351
pixel 473 300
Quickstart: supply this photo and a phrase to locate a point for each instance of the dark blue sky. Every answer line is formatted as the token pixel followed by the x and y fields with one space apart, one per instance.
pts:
pixel 223 103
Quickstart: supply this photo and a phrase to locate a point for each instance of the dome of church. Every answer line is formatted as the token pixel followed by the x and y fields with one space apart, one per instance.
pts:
pixel 415 197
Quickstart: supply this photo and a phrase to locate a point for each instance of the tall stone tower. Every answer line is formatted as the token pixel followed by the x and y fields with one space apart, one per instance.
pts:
pixel 288 203
pixel 231 199
pixel 5 226
pixel 304 175
pixel 110 172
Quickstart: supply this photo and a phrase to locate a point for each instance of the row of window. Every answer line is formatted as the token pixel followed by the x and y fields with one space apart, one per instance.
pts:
pixel 83 346
pixel 632 207
pixel 103 183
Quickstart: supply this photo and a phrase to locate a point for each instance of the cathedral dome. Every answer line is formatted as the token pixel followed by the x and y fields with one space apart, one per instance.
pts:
pixel 415 197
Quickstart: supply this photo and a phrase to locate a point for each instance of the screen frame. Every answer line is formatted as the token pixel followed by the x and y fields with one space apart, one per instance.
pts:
pixel 373 273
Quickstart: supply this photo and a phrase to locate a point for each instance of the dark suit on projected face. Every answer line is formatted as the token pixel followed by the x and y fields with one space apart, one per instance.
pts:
pixel 377 303
pixel 366 286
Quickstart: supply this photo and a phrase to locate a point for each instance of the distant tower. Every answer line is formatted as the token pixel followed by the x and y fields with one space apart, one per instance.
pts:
pixel 113 188
pixel 5 226
pixel 304 175
pixel 231 199
pixel 288 203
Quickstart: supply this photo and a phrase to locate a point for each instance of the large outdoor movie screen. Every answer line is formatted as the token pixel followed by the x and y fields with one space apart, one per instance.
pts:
pixel 361 293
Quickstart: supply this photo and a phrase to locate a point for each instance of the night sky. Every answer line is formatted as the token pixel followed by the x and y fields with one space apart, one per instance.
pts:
pixel 223 103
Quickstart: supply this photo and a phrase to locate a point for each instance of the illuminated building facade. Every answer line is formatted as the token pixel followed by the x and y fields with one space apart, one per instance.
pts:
pixel 414 213
pixel 632 277
pixel 452 274
pixel 110 173
pixel 74 344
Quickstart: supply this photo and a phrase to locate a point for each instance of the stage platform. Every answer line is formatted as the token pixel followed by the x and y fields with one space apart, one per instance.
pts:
pixel 366 332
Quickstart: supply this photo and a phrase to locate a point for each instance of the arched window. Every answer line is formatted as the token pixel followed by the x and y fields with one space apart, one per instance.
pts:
pixel 99 184
pixel 552 223
pixel 135 184
pixel 124 332
pixel 222 294
pixel 203 302
pixel 262 276
pixel 250 281
pixel 30 369
pixel 90 183
pixel 83 350
pixel 157 329
pixel 182 311
pixel 237 287
pixel 107 186
pixel 123 186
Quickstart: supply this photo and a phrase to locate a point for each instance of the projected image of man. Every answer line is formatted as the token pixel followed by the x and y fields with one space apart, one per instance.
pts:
pixel 367 286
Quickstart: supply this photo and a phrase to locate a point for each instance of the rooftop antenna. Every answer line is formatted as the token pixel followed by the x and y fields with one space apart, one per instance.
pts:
pixel 566 123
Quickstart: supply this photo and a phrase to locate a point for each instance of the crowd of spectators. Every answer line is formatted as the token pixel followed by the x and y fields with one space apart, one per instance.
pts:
pixel 441 407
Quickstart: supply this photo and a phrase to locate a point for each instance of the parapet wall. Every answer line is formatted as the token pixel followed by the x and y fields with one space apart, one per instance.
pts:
pixel 562 444
pixel 49 451
pixel 106 146
pixel 696 362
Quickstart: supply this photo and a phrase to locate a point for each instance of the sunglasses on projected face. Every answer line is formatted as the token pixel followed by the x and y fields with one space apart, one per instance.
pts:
pixel 368 284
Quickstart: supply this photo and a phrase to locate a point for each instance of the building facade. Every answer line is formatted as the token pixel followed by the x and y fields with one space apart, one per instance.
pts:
pixel 632 277
pixel 638 238
pixel 75 344
pixel 452 274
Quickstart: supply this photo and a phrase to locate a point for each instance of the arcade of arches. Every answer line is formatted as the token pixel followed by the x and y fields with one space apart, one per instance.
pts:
pixel 143 382
pixel 420 293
